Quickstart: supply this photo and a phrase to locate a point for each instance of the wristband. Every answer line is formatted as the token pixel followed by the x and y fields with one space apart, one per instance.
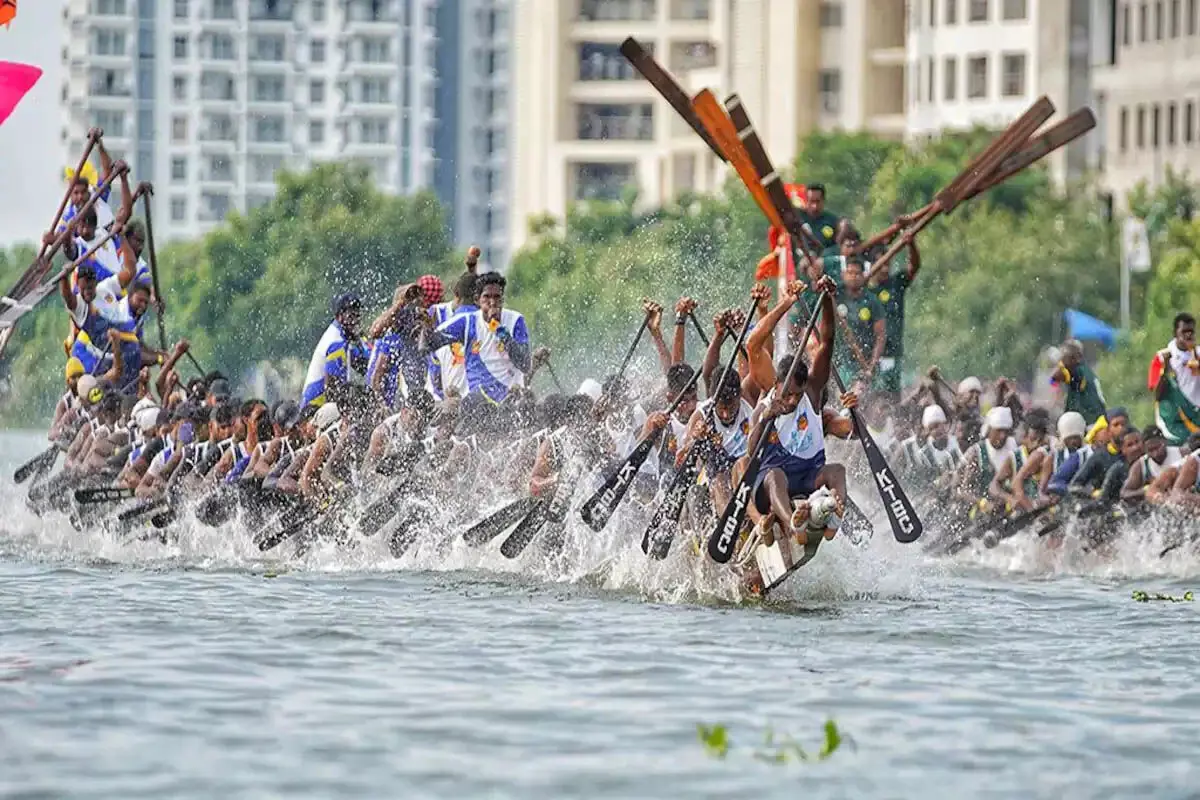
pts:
pixel 681 319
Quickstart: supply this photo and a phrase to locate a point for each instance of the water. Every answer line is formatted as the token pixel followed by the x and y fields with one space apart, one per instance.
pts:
pixel 200 671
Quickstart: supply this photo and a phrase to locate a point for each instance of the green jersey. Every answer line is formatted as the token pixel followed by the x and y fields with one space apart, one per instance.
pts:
pixel 860 314
pixel 1083 393
pixel 823 226
pixel 890 292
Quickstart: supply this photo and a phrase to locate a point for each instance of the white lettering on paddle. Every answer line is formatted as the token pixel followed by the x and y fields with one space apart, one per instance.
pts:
pixel 883 478
pixel 733 521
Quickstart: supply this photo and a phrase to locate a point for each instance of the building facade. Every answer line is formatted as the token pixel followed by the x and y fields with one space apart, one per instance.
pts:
pixel 1146 67
pixel 588 127
pixel 210 98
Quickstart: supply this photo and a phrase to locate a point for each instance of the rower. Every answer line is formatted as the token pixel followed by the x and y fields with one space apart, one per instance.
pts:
pixel 1105 437
pixel 983 460
pixel 1045 462
pixel 1003 487
pixel 495 341
pixel 396 333
pixel 447 365
pixel 326 465
pixel 940 454
pixel 1158 457
pixel 340 356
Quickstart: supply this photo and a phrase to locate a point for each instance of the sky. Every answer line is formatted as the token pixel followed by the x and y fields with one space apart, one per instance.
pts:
pixel 31 156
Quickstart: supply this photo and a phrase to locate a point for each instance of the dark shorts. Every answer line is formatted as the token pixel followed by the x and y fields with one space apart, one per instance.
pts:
pixel 801 481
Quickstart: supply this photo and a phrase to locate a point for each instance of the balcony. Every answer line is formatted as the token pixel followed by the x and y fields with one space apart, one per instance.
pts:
pixel 598 123
pixel 616 10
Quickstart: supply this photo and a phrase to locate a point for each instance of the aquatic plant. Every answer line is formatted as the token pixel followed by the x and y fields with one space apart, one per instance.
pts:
pixel 1145 597
pixel 775 749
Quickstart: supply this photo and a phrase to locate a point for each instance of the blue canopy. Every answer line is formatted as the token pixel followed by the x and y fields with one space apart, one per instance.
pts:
pixel 1087 328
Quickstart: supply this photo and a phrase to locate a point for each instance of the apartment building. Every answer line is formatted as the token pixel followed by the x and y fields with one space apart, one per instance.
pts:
pixel 473 107
pixel 983 62
pixel 586 126
pixel 1146 71
pixel 210 98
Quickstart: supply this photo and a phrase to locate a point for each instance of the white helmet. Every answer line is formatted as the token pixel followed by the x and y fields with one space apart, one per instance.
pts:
pixel 326 416
pixel 1071 424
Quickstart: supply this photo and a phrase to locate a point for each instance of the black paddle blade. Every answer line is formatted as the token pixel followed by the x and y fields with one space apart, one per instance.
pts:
pixel 523 534
pixel 36 464
pixel 102 494
pixel 724 539
pixel 495 524
pixel 141 509
pixel 906 525
pixel 660 533
pixel 599 508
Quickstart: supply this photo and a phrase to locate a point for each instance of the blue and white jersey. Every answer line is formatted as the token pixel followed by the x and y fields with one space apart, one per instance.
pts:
pixel 108 311
pixel 106 260
pixel 333 357
pixel 489 367
pixel 104 215
pixel 391 386
pixel 448 365
pixel 142 275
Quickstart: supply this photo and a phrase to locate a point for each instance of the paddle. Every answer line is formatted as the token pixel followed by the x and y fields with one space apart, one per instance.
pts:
pixel 664 523
pixel 724 536
pixel 599 508
pixel 102 494
pixel 36 464
pixel 498 521
pixel 544 513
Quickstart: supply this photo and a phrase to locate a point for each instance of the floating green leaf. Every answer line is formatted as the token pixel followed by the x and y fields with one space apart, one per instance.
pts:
pixel 1145 597
pixel 714 739
pixel 776 749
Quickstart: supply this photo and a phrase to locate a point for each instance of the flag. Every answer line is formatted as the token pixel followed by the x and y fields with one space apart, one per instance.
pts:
pixel 1175 415
pixel 768 267
pixel 1087 328
pixel 15 82
pixel 8 11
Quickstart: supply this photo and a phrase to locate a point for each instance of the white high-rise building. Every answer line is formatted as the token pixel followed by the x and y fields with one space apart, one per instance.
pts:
pixel 585 125
pixel 983 62
pixel 209 98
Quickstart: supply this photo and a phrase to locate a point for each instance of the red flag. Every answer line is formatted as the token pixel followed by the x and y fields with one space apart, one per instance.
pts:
pixel 1156 371
pixel 775 237
pixel 8 11
pixel 15 82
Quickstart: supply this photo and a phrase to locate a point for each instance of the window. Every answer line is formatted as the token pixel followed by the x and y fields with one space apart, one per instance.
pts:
pixel 1155 119
pixel 604 62
pixel 111 122
pixel 178 169
pixel 628 121
pixel 1172 114
pixel 977 77
pixel 223 9
pixel 950 79
pixel 215 206
pixel 318 11
pixel 930 92
pixel 316 132
pixel 933 13
pixel 109 83
pixel 1123 130
pixel 1013 78
pixel 218 128
pixel 377 50
pixel 263 168
pixel 1191 25
pixel 1158 20
pixel 373 131
pixel 1126 25
pixel 1189 115
pixel 317 51
pixel 375 90
pixel 268 89
pixel 1176 9
pixel 217 86
pixel 978 10
pixel 179 129
pixel 602 181
pixel 831 15
pixel 268 48
pixel 1141 127
pixel 1013 10
pixel 178 209
pixel 268 129
pixel 108 42
pixel 829 84
pixel 221 48
pixel 316 92
pixel 219 169
pixel 106 8
pixel 951 12
pixel 181 47
pixel 179 87
pixel 1143 22
pixel 181 9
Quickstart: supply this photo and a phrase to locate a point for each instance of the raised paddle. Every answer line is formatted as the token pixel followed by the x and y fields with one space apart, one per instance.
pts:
pixel 599 508
pixel 36 464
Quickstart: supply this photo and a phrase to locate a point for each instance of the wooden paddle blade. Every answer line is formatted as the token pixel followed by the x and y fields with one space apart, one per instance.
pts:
pixel 496 523
pixel 103 494
pixel 906 525
pixel 714 118
pixel 599 508
pixel 723 540
pixel 669 88
pixel 1039 147
pixel 524 533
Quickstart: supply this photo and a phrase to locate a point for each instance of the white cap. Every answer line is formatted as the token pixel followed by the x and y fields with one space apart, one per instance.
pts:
pixel 592 388
pixel 970 384
pixel 142 405
pixel 999 419
pixel 84 385
pixel 932 415
pixel 1071 424
pixel 327 415
pixel 145 414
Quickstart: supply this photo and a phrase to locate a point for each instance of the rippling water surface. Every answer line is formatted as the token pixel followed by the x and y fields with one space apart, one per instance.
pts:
pixel 197 671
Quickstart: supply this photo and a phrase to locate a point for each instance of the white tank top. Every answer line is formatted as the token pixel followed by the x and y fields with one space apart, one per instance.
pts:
pixel 735 437
pixel 800 433
pixel 1151 469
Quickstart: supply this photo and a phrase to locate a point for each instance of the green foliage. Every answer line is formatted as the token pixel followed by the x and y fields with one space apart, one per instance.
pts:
pixel 1145 597
pixel 775 749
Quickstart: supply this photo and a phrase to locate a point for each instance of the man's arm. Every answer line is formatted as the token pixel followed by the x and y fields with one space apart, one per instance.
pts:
pixel 1134 487
pixel 518 345
pixel 654 326
pixel 818 374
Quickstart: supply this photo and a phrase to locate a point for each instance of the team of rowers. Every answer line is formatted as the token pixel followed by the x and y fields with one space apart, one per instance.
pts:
pixel 433 400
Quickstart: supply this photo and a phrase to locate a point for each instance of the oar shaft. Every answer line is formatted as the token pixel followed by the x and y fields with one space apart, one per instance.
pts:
pixel 632 347
pixel 62 207
pixel 162 326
